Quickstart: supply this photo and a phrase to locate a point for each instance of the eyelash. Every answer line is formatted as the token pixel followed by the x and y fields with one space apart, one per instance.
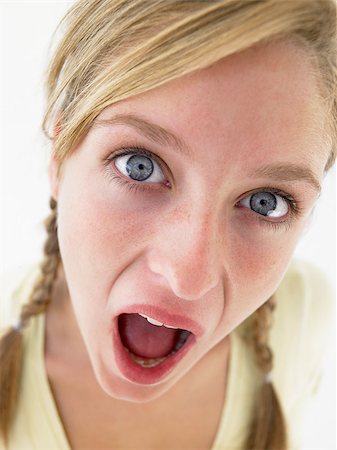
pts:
pixel 135 187
pixel 129 184
pixel 295 211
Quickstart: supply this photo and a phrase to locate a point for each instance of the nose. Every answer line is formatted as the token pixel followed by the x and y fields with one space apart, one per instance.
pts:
pixel 186 254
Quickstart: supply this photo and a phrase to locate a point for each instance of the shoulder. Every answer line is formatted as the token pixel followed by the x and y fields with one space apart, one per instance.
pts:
pixel 16 286
pixel 305 303
pixel 302 328
pixel 308 285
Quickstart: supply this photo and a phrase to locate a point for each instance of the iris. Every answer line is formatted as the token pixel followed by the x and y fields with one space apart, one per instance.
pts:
pixel 139 167
pixel 263 203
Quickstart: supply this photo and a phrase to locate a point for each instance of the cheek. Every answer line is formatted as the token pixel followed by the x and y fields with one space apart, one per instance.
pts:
pixel 98 240
pixel 256 270
pixel 257 262
pixel 95 230
pixel 262 252
pixel 99 219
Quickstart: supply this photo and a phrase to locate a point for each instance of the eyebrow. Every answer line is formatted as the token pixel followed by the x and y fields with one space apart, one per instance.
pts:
pixel 162 136
pixel 289 172
pixel 152 131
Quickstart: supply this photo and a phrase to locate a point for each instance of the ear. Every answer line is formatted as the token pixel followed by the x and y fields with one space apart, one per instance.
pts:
pixel 54 165
pixel 54 178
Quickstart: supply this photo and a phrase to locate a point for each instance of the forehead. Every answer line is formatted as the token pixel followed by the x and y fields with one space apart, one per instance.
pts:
pixel 264 99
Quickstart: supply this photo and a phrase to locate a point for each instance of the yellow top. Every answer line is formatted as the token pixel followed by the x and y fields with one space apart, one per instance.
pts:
pixel 303 321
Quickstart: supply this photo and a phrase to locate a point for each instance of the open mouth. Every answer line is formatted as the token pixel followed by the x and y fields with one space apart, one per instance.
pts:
pixel 149 342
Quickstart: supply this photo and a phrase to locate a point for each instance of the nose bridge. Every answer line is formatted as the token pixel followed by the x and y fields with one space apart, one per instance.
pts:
pixel 187 253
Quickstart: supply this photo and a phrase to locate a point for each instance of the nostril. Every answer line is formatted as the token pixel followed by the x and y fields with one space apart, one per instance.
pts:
pixel 189 285
pixel 188 275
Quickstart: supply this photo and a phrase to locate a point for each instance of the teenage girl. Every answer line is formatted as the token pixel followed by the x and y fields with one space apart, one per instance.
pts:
pixel 189 142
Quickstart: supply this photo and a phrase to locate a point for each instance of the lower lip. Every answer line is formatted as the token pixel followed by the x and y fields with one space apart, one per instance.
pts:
pixel 142 375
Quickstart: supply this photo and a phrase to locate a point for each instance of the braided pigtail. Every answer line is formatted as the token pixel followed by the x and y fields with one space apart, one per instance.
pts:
pixel 268 428
pixel 11 343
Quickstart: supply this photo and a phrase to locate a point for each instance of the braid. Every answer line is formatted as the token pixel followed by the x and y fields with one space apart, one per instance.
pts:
pixel 263 318
pixel 41 295
pixel 11 343
pixel 268 428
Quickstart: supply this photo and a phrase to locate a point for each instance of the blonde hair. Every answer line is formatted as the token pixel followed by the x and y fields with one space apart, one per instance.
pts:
pixel 114 49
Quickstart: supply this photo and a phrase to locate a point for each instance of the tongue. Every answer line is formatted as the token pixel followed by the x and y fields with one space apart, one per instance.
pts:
pixel 144 339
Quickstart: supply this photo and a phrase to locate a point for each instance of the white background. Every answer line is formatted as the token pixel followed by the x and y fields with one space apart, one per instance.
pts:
pixel 26 29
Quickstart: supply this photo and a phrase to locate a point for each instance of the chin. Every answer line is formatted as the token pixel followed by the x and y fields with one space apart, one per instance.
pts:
pixel 126 390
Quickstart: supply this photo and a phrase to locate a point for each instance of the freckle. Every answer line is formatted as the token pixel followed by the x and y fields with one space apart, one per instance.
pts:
pixel 178 214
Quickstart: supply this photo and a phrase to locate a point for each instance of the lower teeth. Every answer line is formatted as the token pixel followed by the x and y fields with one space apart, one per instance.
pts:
pixel 147 363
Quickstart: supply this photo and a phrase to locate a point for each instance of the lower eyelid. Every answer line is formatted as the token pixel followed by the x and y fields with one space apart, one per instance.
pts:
pixel 285 224
pixel 129 184
pixel 273 222
pixel 252 219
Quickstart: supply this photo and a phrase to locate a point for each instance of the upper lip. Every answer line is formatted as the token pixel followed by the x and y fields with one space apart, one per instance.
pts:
pixel 168 318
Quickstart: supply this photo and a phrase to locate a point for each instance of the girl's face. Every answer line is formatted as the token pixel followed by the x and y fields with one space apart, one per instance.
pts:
pixel 185 204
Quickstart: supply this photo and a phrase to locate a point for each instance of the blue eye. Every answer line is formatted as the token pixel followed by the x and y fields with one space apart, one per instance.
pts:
pixel 139 167
pixel 266 204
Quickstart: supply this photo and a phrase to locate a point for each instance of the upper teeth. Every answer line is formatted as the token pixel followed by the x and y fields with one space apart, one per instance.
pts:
pixel 156 322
